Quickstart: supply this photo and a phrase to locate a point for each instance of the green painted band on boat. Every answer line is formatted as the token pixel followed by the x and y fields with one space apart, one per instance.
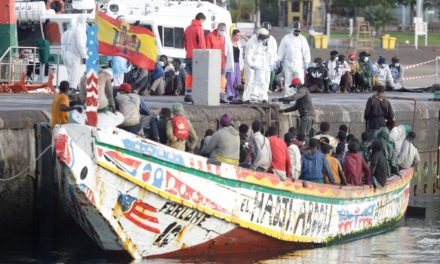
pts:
pixel 386 226
pixel 8 32
pixel 246 185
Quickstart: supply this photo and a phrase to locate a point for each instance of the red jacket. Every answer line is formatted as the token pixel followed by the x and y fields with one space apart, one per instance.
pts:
pixel 354 167
pixel 214 41
pixel 193 38
pixel 280 155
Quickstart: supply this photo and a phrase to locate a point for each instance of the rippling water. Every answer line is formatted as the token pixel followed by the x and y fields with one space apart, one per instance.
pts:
pixel 413 241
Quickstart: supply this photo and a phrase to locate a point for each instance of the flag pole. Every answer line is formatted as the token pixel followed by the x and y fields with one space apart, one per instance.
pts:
pixel 92 65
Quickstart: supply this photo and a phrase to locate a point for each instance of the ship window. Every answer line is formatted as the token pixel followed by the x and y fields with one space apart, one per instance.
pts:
pixel 66 26
pixel 178 38
pixel 160 30
pixel 171 37
pixel 52 32
pixel 168 37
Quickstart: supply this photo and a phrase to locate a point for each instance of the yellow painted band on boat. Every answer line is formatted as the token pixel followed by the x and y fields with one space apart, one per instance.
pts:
pixel 229 218
pixel 313 189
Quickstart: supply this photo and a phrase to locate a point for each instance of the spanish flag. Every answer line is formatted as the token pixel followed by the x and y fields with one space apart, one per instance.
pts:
pixel 135 43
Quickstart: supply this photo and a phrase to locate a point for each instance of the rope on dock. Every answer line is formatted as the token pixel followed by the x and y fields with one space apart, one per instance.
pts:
pixel 27 167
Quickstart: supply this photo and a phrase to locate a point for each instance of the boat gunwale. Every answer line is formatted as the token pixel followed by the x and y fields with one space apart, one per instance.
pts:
pixel 288 188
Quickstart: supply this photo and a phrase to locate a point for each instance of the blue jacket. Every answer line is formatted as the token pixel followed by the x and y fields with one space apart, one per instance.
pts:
pixel 157 73
pixel 313 165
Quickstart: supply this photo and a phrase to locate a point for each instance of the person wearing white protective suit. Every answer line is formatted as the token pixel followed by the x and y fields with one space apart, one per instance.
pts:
pixel 294 53
pixel 74 50
pixel 258 64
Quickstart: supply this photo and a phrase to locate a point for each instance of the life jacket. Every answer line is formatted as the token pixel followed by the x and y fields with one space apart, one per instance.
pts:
pixel 180 127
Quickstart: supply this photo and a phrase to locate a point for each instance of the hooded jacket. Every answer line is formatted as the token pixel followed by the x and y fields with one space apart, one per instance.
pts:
pixel 354 168
pixel 383 135
pixel 224 145
pixel 193 38
pixel 376 111
pixel 314 163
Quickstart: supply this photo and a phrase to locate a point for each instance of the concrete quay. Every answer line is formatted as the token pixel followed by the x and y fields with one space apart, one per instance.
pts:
pixel 20 112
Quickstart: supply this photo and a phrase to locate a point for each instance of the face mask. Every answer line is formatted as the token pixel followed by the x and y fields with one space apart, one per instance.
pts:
pixel 222 33
pixel 236 38
pixel 313 65
pixel 336 58
pixel 396 64
pixel 383 66
pixel 366 59
pixel 161 63
pixel 263 37
pixel 158 118
pixel 350 61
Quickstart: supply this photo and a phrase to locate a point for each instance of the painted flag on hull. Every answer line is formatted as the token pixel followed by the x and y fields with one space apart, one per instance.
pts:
pixel 139 213
pixel 135 43
pixel 91 102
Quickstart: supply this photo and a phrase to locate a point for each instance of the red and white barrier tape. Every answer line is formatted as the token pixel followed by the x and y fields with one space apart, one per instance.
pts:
pixel 407 67
pixel 419 77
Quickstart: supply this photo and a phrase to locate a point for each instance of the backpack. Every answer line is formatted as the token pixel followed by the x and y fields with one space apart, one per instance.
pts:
pixel 180 127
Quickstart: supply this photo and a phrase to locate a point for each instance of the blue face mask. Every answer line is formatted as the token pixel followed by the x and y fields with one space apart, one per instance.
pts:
pixel 396 64
pixel 383 66
pixel 313 65
pixel 158 118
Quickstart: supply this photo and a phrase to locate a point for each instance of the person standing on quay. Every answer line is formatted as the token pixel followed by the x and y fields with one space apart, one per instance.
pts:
pixel 294 53
pixel 193 38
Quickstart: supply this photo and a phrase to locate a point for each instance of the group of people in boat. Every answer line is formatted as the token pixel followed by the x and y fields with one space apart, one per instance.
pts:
pixel 383 150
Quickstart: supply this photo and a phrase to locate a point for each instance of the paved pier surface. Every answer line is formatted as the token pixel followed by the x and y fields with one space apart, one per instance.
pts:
pixel 15 102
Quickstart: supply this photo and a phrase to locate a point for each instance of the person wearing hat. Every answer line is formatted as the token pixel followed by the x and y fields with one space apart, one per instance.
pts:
pixel 259 60
pixel 131 106
pixel 354 67
pixel 363 78
pixel 382 74
pixel 180 130
pixel 304 105
pixel 224 145
pixel 294 53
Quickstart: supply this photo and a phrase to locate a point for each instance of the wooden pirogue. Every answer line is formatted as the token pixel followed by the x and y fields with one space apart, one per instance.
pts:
pixel 132 194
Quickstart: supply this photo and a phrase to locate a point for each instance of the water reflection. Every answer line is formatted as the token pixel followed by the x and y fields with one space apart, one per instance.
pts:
pixel 414 241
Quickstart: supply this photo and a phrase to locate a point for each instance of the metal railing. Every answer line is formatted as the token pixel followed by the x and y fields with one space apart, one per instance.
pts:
pixel 16 59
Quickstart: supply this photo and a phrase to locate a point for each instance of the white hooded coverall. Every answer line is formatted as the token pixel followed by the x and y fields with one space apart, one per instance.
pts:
pixel 74 50
pixel 260 55
pixel 294 53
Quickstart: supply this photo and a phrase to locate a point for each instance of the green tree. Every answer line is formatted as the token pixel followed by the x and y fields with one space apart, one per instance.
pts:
pixel 379 16
pixel 242 10
pixel 269 11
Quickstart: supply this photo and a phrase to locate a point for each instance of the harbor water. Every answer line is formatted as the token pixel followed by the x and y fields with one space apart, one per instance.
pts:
pixel 414 240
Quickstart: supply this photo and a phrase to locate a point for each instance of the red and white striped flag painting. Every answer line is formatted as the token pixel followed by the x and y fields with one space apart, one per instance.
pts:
pixel 92 76
pixel 139 213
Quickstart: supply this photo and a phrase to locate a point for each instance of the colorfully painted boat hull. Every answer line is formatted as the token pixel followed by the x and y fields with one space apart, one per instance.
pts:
pixel 132 194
